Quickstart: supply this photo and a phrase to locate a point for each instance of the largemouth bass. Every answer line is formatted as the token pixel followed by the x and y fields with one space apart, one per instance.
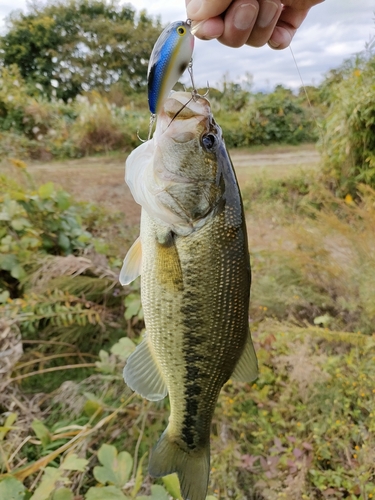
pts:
pixel 193 258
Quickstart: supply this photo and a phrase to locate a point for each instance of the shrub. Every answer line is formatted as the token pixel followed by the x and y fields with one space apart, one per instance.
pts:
pixel 44 221
pixel 348 148
pixel 280 117
pixel 100 126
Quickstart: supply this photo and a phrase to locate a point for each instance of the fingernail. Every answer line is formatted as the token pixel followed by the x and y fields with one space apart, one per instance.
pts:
pixel 244 16
pixel 267 13
pixel 273 44
pixel 193 7
pixel 196 26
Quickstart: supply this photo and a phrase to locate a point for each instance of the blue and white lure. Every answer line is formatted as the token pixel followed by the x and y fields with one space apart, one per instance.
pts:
pixel 170 57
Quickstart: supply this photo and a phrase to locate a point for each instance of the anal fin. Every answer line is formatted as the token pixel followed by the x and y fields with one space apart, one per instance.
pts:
pixel 247 367
pixel 142 374
pixel 132 265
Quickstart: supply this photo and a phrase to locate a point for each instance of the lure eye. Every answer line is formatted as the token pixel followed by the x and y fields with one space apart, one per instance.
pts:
pixel 209 142
pixel 181 30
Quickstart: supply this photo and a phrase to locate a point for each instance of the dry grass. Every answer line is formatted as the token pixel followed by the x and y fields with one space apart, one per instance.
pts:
pixel 10 347
pixel 312 255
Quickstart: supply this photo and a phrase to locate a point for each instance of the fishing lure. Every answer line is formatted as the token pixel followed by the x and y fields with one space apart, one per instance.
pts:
pixel 170 57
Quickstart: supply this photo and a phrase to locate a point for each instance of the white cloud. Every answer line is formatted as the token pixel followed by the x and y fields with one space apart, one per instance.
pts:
pixel 333 31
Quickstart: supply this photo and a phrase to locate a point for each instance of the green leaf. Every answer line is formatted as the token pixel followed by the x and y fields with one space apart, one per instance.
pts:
pixel 46 190
pixel 50 477
pixel 106 493
pixel 133 305
pixel 11 489
pixel 116 468
pixel 4 296
pixel 123 348
pixel 63 494
pixel 172 485
pixel 19 223
pixel 91 407
pixel 7 425
pixel 8 261
pixel 63 200
pixel 41 432
pixel 18 272
pixel 73 462
pixel 105 365
pixel 158 493
pixel 211 497
pixel 63 241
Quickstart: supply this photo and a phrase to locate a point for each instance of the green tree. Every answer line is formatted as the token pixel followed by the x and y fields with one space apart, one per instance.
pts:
pixel 65 48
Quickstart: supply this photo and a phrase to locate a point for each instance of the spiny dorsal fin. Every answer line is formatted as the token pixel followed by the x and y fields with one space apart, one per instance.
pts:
pixel 142 374
pixel 247 367
pixel 132 265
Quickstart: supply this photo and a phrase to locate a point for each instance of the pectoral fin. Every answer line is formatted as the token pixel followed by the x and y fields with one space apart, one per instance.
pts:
pixel 167 264
pixel 132 265
pixel 247 367
pixel 142 373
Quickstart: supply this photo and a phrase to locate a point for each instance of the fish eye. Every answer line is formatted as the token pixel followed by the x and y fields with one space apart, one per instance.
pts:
pixel 209 141
pixel 181 30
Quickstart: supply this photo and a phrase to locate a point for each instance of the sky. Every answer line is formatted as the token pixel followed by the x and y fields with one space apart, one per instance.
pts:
pixel 333 31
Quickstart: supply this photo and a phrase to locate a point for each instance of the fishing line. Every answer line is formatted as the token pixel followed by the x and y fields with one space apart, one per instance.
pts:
pixel 300 76
pixel 319 127
pixel 179 111
pixel 194 95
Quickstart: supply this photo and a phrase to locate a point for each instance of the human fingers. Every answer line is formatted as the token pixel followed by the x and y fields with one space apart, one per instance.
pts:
pixel 268 15
pixel 291 18
pixel 197 10
pixel 208 29
pixel 239 20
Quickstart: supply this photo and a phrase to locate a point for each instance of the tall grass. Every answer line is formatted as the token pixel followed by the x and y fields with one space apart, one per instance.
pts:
pixel 320 267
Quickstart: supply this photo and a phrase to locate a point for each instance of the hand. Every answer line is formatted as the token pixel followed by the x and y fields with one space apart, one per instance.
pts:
pixel 252 22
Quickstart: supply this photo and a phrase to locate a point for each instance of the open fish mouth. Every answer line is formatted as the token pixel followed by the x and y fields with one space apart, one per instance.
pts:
pixel 184 118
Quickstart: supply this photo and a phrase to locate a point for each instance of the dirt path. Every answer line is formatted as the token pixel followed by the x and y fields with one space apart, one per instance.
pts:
pixel 274 162
pixel 100 180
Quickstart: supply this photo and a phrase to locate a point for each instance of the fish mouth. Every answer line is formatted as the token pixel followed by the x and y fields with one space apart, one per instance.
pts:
pixel 184 117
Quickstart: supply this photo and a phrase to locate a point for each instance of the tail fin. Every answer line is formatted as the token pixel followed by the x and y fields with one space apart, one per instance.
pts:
pixel 192 468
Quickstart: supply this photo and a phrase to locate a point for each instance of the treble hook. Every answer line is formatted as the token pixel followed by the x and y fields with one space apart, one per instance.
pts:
pixel 138 136
pixel 194 91
pixel 151 125
pixel 207 91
